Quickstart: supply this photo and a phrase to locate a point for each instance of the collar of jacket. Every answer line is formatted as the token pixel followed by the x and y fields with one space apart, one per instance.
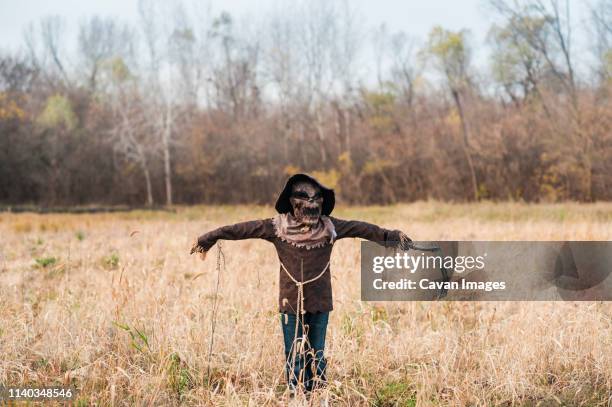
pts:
pixel 289 230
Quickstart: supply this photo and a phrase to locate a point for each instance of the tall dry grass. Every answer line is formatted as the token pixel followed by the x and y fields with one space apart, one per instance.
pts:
pixel 113 304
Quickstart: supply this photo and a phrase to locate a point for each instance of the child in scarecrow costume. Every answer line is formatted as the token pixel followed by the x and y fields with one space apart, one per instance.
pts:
pixel 303 234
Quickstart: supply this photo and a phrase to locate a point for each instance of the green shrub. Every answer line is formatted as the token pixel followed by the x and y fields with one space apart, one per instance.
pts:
pixel 46 261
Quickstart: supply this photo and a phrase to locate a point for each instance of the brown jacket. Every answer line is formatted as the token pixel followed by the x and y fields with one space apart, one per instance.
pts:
pixel 318 294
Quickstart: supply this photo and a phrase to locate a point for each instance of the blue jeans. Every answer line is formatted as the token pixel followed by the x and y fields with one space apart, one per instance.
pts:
pixel 307 367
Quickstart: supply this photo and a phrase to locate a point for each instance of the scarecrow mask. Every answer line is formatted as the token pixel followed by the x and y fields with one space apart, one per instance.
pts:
pixel 307 203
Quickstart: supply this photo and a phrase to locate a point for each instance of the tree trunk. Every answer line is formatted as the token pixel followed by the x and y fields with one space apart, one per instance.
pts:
pixel 147 175
pixel 321 136
pixel 167 133
pixel 466 145
pixel 167 172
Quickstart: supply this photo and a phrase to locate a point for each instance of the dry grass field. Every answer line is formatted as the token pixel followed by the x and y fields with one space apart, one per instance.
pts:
pixel 113 304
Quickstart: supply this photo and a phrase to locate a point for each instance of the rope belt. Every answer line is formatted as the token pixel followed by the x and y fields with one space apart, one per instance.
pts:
pixel 298 345
pixel 300 285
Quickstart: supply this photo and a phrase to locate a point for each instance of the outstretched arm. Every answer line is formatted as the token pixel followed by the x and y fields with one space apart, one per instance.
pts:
pixel 255 229
pixel 369 231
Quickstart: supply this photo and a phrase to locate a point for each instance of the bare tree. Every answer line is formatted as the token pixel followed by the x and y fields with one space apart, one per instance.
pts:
pixel 281 70
pixel 547 31
pixel 45 47
pixel 52 30
pixel 601 18
pixel 552 43
pixel 235 75
pixel 160 93
pixel 516 66
pixel 131 133
pixel 317 32
pixel 99 41
pixel 404 68
pixel 451 54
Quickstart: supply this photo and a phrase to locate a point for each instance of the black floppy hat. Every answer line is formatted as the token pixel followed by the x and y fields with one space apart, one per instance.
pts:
pixel 283 205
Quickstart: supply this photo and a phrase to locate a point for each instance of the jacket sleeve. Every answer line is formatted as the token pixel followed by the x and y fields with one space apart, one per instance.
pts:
pixel 368 231
pixel 255 229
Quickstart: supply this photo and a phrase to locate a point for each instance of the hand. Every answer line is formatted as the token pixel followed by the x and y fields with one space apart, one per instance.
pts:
pixel 405 242
pixel 196 248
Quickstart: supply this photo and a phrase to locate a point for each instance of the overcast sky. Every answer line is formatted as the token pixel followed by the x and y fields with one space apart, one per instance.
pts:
pixel 415 17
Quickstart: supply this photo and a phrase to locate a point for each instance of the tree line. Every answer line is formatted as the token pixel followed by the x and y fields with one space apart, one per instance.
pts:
pixel 191 106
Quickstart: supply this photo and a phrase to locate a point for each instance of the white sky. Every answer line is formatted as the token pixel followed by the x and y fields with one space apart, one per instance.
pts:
pixel 415 17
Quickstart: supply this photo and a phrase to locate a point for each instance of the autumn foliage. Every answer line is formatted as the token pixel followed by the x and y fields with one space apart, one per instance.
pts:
pixel 204 108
